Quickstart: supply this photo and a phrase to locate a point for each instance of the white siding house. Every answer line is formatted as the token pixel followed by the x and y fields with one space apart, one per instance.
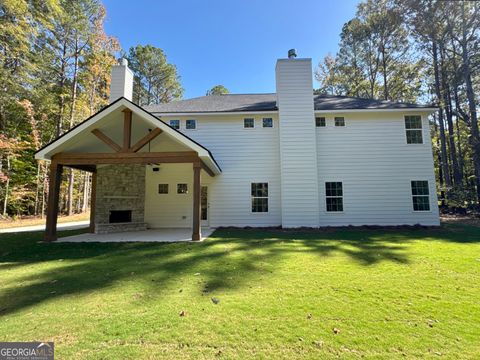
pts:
pixel 290 158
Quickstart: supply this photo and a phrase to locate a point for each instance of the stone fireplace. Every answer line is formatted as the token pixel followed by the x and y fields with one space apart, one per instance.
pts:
pixel 120 204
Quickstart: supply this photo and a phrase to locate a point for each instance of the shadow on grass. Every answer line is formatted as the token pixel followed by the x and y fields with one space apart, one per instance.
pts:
pixel 79 268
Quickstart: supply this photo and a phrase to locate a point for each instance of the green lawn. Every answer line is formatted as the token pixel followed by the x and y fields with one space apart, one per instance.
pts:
pixel 391 294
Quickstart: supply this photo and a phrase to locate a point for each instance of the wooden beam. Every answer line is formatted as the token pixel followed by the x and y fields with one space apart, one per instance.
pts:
pixel 126 158
pixel 127 129
pixel 207 169
pixel 99 134
pixel 62 156
pixel 93 202
pixel 88 168
pixel 196 231
pixel 52 205
pixel 147 138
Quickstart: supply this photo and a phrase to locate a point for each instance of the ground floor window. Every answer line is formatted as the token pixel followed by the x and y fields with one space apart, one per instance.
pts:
pixel 182 188
pixel 334 196
pixel 420 195
pixel 163 188
pixel 259 197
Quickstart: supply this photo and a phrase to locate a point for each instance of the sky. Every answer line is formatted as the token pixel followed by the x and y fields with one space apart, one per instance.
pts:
pixel 233 43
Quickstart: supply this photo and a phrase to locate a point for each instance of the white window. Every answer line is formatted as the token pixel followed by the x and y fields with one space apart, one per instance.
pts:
pixel 182 189
pixel 249 123
pixel 163 188
pixel 339 121
pixel 320 122
pixel 334 196
pixel 413 127
pixel 259 197
pixel 420 195
pixel 191 124
pixel 175 124
pixel 267 122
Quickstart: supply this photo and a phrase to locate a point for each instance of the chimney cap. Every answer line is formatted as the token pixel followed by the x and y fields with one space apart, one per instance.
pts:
pixel 292 53
pixel 123 62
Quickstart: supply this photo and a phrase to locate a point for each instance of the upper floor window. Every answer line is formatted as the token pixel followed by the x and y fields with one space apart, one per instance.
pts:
pixel 248 123
pixel 175 124
pixel 334 196
pixel 339 121
pixel 413 127
pixel 320 122
pixel 259 197
pixel 191 124
pixel 163 188
pixel 267 122
pixel 420 195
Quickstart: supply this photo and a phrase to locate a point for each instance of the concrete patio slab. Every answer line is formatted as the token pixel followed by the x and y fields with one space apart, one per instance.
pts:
pixel 151 235
pixel 72 225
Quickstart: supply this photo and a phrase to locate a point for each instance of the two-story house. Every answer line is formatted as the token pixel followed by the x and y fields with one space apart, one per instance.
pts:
pixel 290 159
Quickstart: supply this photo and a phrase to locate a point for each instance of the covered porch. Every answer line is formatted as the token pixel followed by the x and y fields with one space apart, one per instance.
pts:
pixel 123 150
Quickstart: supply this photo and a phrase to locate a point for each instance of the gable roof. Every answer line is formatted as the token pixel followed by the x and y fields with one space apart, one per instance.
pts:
pixel 268 102
pixel 48 150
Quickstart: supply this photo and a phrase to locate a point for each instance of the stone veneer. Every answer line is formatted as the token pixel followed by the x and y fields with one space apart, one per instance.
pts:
pixel 120 187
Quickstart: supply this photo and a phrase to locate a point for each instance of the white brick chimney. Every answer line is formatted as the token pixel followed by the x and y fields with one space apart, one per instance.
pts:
pixel 298 143
pixel 122 81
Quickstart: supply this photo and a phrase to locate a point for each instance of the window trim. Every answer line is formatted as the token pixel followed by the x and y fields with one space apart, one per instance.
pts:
pixel 341 197
pixel 335 122
pixel 195 122
pixel 320 118
pixel 259 197
pixel 267 127
pixel 253 127
pixel 427 196
pixel 407 130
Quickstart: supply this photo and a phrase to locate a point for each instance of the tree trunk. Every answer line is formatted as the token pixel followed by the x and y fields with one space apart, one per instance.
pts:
pixel 386 95
pixel 85 192
pixel 71 175
pixel 447 102
pixel 37 190
pixel 7 188
pixel 467 74
pixel 443 145
pixel 61 101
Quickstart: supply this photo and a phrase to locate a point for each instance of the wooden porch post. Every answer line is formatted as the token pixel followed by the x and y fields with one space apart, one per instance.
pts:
pixel 52 206
pixel 93 202
pixel 196 236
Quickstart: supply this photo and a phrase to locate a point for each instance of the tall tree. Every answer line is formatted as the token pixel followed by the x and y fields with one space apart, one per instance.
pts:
pixel 155 80
pixel 218 90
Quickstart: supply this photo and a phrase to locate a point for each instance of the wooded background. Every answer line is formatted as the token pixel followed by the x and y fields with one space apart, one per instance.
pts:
pixel 55 61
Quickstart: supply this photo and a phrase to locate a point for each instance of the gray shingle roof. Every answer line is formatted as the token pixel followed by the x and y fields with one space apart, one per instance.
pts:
pixel 268 102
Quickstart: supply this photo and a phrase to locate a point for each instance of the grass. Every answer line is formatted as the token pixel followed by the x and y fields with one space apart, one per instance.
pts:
pixel 390 294
pixel 31 221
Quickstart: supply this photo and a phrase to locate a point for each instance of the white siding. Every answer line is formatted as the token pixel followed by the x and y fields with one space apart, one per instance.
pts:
pixel 372 159
pixel 172 209
pixel 300 203
pixel 121 83
pixel 245 156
